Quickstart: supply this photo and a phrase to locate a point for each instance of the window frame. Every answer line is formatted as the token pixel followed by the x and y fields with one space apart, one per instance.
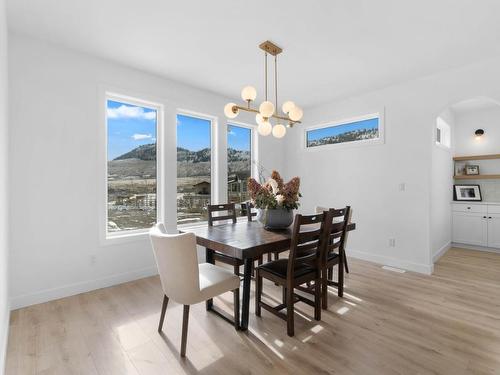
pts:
pixel 346 121
pixel 214 157
pixel 444 134
pixel 254 152
pixel 157 105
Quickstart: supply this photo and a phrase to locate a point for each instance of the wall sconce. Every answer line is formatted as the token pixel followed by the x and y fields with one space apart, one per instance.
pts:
pixel 479 133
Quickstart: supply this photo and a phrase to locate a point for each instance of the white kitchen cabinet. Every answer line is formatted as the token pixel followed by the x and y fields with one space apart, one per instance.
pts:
pixel 470 228
pixel 494 230
pixel 476 224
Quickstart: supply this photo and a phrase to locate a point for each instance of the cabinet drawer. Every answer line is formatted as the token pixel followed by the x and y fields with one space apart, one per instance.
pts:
pixel 494 209
pixel 476 208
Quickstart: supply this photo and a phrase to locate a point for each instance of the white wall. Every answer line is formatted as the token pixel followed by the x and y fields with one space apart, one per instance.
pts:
pixel 4 301
pixel 55 177
pixel 466 144
pixel 441 192
pixel 368 178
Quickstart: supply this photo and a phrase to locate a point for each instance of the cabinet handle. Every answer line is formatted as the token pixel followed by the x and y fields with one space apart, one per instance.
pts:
pixel 490 217
pixel 484 217
pixel 468 208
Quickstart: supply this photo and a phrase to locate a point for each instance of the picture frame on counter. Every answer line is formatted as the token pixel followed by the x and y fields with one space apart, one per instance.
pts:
pixel 467 193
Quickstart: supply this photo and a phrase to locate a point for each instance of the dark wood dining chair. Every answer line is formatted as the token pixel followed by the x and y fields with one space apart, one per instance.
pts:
pixel 228 211
pixel 334 252
pixel 320 209
pixel 302 266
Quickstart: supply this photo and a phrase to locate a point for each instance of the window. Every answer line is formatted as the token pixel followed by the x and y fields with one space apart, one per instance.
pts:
pixel 443 133
pixel 194 159
pixel 131 165
pixel 366 129
pixel 239 164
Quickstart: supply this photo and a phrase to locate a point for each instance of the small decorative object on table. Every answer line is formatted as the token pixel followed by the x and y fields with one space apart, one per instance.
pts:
pixel 472 169
pixel 467 193
pixel 275 200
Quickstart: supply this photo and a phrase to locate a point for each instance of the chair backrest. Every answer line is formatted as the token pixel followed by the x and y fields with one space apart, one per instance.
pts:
pixel 307 241
pixel 177 262
pixel 229 209
pixel 250 214
pixel 337 229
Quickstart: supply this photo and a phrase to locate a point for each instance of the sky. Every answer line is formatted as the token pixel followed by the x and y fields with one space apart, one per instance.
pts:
pixel 314 135
pixel 130 126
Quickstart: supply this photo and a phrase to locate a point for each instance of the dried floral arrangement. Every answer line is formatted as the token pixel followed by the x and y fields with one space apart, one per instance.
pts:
pixel 274 193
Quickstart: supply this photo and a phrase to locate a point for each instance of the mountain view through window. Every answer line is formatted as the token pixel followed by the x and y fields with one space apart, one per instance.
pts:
pixel 131 154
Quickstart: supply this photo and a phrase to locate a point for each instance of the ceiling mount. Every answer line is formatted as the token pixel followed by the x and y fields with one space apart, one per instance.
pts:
pixel 270 48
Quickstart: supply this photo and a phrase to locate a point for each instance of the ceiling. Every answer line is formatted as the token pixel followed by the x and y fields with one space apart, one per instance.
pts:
pixel 332 48
pixel 474 105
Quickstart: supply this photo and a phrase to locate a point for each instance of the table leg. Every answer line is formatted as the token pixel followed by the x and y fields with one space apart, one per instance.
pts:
pixel 209 258
pixel 245 307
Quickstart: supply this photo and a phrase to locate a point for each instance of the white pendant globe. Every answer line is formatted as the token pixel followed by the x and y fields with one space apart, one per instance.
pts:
pixel 287 106
pixel 228 110
pixel 248 93
pixel 266 109
pixel 259 119
pixel 264 128
pixel 279 131
pixel 295 114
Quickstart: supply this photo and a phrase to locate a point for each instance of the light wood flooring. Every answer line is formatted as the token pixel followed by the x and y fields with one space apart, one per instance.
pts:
pixel 388 323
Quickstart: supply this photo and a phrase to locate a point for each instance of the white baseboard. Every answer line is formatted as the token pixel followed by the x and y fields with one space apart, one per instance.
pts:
pixel 426 269
pixel 4 341
pixel 77 288
pixel 476 247
pixel 441 252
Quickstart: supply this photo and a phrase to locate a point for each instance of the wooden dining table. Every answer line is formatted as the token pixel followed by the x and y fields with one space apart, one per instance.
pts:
pixel 245 240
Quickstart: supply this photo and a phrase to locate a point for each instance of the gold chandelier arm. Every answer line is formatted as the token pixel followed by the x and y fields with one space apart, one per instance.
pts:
pixel 237 107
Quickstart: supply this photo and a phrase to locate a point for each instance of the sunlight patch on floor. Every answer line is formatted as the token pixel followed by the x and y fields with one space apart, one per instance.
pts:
pixel 266 343
pixel 342 310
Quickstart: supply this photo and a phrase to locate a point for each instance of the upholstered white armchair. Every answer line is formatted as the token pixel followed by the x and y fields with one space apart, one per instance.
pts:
pixel 184 280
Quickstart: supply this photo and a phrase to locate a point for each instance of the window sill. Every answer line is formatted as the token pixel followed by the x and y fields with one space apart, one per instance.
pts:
pixel 116 239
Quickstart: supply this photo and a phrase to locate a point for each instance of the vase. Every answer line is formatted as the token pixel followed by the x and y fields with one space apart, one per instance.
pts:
pixel 275 218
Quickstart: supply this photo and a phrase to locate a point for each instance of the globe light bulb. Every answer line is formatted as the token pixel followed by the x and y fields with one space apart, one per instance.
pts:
pixel 279 131
pixel 295 113
pixel 259 119
pixel 266 109
pixel 287 106
pixel 265 128
pixel 248 93
pixel 228 110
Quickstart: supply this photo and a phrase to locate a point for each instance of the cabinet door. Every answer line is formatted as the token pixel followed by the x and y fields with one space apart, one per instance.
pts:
pixel 470 229
pixel 494 230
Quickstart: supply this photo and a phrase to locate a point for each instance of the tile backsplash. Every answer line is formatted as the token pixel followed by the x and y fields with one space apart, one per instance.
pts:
pixel 490 189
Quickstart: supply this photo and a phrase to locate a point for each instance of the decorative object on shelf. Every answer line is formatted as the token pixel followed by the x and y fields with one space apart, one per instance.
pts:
pixel 467 193
pixel 472 170
pixel 479 133
pixel 459 169
pixel 275 200
pixel 292 114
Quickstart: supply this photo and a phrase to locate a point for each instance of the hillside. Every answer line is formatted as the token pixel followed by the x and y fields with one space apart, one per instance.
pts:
pixel 141 161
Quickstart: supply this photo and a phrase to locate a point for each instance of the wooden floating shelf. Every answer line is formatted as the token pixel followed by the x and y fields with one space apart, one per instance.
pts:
pixel 477 157
pixel 477 177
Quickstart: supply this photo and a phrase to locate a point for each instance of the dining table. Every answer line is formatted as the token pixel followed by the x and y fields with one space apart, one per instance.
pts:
pixel 247 241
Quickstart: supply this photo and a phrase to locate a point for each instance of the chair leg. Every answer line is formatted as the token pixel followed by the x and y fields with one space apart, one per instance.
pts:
pixel 324 289
pixel 330 274
pixel 340 287
pixel 283 295
pixel 317 296
pixel 260 261
pixel 185 320
pixel 163 311
pixel 236 300
pixel 258 292
pixel 290 329
pixel 345 263
pixel 269 257
pixel 276 255
pixel 236 270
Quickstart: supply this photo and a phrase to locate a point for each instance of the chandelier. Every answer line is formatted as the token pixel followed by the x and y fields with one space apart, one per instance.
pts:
pixel 291 115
